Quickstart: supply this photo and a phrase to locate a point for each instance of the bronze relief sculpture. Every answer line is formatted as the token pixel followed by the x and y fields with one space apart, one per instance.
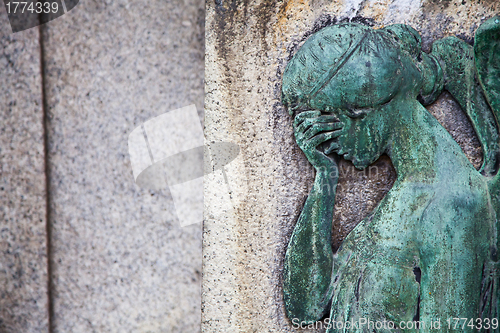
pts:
pixel 429 250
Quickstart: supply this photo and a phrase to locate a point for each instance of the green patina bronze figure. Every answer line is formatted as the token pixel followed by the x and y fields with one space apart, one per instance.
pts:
pixel 429 251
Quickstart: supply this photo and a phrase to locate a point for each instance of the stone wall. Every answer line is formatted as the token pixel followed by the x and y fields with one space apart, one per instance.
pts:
pixel 251 208
pixel 117 257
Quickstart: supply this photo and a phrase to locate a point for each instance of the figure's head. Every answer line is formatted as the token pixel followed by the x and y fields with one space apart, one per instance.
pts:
pixel 356 72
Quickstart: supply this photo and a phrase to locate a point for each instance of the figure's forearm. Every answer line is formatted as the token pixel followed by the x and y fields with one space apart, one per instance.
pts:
pixel 461 81
pixel 309 257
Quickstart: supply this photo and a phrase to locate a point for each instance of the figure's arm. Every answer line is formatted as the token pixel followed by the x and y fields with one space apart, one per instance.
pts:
pixel 487 60
pixel 309 257
pixel 461 79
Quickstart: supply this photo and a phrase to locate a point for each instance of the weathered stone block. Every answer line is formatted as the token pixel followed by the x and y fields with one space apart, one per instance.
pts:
pixel 247 228
pixel 23 238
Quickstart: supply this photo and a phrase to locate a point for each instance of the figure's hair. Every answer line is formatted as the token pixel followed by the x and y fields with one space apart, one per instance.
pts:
pixel 308 77
pixel 317 61
pixel 411 42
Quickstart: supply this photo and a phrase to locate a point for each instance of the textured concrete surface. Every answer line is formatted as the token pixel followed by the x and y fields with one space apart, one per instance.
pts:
pixel 121 262
pixel 23 247
pixel 250 211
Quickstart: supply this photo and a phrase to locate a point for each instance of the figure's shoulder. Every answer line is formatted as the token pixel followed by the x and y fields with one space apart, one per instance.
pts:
pixel 408 194
pixel 415 198
pixel 402 206
pixel 466 199
pixel 454 185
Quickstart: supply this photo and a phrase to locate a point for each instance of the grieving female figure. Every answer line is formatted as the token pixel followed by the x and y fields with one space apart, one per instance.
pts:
pixel 429 250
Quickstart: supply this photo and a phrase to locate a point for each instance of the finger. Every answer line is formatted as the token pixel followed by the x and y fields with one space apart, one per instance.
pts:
pixel 333 146
pixel 315 115
pixel 320 138
pixel 322 127
pixel 304 115
pixel 329 117
pixel 311 121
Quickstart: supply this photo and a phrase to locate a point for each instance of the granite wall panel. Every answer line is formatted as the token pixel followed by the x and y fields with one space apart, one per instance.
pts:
pixel 23 238
pixel 121 262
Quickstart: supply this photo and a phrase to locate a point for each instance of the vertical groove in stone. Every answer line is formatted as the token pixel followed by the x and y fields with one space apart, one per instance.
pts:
pixel 23 248
pixel 48 226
